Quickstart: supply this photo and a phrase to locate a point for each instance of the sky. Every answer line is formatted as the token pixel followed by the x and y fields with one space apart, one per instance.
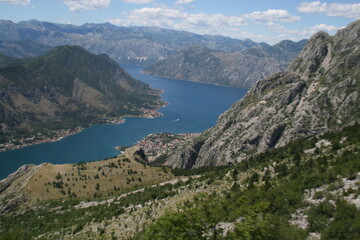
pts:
pixel 259 20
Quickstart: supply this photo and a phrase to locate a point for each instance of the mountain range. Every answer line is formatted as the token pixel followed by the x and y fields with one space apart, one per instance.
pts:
pixel 235 69
pixel 65 88
pixel 175 54
pixel 126 45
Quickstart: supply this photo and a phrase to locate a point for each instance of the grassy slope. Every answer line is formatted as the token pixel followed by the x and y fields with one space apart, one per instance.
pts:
pixel 113 176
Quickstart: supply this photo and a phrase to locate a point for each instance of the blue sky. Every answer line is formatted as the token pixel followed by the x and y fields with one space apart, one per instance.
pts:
pixel 260 20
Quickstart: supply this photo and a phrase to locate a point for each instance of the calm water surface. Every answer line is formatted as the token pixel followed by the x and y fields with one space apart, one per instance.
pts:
pixel 193 107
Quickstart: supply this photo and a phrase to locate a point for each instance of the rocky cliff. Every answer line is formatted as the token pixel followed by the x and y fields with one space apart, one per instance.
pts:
pixel 318 92
pixel 67 87
pixel 236 69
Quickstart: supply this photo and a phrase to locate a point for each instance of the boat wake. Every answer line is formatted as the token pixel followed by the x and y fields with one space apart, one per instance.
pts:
pixel 176 120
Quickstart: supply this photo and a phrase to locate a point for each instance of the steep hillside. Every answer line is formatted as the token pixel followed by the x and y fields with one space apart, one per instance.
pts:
pixel 126 45
pixel 65 88
pixel 318 92
pixel 236 69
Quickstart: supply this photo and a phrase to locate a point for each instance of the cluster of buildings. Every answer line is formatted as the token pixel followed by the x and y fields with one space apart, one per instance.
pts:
pixel 155 145
pixel 147 113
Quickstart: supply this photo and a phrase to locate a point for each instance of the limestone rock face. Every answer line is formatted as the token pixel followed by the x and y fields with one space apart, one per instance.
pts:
pixel 318 92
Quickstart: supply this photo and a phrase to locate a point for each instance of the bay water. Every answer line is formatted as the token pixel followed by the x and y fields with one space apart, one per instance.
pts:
pixel 193 107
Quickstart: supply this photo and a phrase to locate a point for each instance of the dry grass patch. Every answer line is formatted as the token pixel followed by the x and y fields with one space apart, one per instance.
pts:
pixel 89 180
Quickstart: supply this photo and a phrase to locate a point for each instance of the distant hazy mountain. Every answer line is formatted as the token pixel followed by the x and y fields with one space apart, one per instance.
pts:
pixel 318 92
pixel 6 61
pixel 22 48
pixel 126 45
pixel 66 87
pixel 238 69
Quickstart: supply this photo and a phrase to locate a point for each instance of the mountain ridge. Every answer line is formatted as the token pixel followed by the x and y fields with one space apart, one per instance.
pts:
pixel 126 45
pixel 237 69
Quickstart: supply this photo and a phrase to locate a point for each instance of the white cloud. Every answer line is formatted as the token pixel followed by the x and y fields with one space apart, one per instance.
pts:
pixel 160 17
pixel 184 1
pixel 77 5
pixel 331 9
pixel 138 1
pixel 159 13
pixel 23 2
pixel 174 18
pixel 298 34
pixel 278 28
pixel 324 27
pixel 312 7
pixel 273 15
pixel 212 21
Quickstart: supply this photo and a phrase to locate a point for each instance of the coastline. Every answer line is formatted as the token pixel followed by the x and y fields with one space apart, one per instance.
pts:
pixel 187 80
pixel 58 136
pixel 61 134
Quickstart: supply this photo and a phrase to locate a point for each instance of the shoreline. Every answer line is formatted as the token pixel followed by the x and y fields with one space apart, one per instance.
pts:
pixel 187 80
pixel 59 135
pixel 63 133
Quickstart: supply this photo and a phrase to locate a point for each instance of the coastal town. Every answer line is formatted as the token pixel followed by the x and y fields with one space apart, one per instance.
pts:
pixel 155 145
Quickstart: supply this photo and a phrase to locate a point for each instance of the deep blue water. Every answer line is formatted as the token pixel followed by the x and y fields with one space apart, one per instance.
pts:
pixel 196 105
